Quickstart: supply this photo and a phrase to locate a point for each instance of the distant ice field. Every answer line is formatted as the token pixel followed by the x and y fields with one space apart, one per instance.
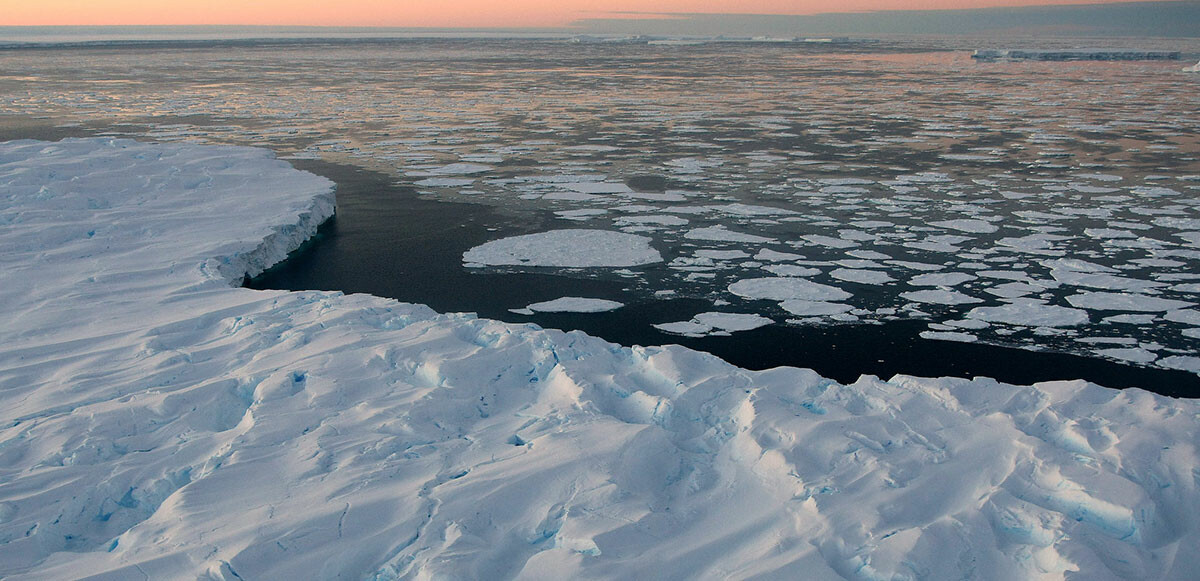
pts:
pixel 1033 205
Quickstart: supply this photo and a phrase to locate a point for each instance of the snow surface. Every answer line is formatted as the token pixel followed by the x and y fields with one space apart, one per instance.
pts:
pixel 156 422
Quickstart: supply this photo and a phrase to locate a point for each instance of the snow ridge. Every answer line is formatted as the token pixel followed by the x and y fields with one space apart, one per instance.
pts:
pixel 156 422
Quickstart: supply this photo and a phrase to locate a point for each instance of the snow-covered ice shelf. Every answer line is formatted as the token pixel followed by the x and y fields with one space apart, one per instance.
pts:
pixel 157 421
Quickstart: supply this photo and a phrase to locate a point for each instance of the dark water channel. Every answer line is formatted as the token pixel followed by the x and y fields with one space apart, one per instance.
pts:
pixel 390 242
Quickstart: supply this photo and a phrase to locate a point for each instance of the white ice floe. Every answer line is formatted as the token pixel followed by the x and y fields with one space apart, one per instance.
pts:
pixel 651 220
pixel 581 214
pixel 967 225
pixel 598 187
pixel 957 336
pixel 1181 362
pixel 768 255
pixel 1104 280
pixel 668 196
pixel 941 279
pixel 575 305
pixel 723 234
pixel 444 182
pixel 567 196
pixel 940 297
pixel 1032 313
pixel 786 288
pixel 752 210
pixel 156 422
pixel 569 248
pixel 829 241
pixel 805 308
pixel 1185 316
pixel 1100 301
pixel 1010 290
pixel 1108 233
pixel 722 254
pixel 1075 265
pixel 459 169
pixel 1130 319
pixel 685 328
pixel 732 321
pixel 715 323
pixel 791 270
pixel 1131 354
pixel 861 276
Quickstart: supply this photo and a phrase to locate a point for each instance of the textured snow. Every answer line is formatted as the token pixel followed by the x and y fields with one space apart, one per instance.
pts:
pixel 156 422
pixel 566 248
pixel 575 305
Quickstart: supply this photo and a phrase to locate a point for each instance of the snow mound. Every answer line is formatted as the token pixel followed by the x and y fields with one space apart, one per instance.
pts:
pixel 156 422
pixel 570 248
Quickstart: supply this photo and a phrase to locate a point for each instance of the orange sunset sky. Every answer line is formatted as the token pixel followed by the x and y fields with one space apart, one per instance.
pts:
pixel 432 13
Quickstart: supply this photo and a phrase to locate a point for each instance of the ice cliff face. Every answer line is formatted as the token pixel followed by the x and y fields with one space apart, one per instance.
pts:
pixel 157 421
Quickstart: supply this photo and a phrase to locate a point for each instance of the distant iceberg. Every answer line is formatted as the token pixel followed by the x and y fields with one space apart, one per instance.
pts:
pixel 1192 69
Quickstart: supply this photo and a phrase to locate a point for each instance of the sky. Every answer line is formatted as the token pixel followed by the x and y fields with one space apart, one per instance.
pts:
pixel 438 13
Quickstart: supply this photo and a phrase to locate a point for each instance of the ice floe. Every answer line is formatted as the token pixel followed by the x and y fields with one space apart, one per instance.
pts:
pixel 1102 301
pixel 940 297
pixel 575 305
pixel 714 323
pixel 723 234
pixel 862 276
pixel 786 288
pixel 949 336
pixel 1031 313
pixel 569 248
pixel 967 225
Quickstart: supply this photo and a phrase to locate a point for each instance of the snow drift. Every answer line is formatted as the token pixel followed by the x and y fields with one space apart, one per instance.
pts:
pixel 158 422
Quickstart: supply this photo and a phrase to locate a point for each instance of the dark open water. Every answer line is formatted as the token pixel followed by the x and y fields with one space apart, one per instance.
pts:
pixel 387 241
